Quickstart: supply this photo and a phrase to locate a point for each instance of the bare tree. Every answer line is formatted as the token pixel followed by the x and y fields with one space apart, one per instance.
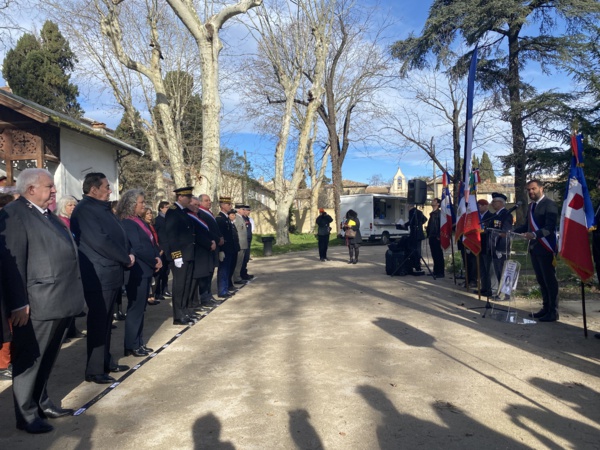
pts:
pixel 205 29
pixel 126 51
pixel 293 37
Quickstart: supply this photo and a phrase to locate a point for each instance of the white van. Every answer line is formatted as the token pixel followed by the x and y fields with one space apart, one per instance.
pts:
pixel 378 215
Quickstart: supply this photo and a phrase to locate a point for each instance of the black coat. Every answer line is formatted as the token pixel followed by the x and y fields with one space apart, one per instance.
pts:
pixel 502 223
pixel 226 228
pixel 40 266
pixel 214 230
pixel 143 248
pixel 204 260
pixel 545 216
pixel 180 234
pixel 416 219
pixel 486 235
pixel 103 245
pixel 161 232
pixel 433 225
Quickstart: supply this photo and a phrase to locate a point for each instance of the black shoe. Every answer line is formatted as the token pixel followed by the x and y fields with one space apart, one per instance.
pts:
pixel 119 316
pixel 159 297
pixel 351 261
pixel 38 426
pixel 76 335
pixel 148 349
pixel 81 314
pixel 6 374
pixel 100 379
pixel 242 282
pixel 537 315
pixel 138 352
pixel 548 318
pixel 225 296
pixel 441 275
pixel 119 368
pixel 322 259
pixel 55 412
pixel 167 294
pixel 248 277
pixel 186 321
pixel 232 289
pixel 355 261
pixel 211 303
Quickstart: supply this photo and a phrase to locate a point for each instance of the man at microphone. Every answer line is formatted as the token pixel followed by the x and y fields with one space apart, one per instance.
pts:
pixel 499 227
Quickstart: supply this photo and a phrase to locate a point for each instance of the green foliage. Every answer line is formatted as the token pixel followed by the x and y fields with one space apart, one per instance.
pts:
pixel 135 171
pixel 486 170
pixel 37 69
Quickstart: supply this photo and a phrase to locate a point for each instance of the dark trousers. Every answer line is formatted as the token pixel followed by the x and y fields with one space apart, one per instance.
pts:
pixel 137 299
pixel 244 271
pixel 596 251
pixel 437 254
pixel 184 288
pixel 224 273
pixel 545 274
pixel 99 323
pixel 414 246
pixel 162 277
pixel 323 244
pixel 35 347
pixel 203 289
pixel 485 262
pixel 498 265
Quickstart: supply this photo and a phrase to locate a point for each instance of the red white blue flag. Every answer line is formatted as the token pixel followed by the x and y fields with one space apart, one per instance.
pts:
pixel 446 214
pixel 577 217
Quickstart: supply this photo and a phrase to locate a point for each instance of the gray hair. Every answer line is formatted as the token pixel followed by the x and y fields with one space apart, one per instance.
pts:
pixel 30 177
pixel 61 205
pixel 126 205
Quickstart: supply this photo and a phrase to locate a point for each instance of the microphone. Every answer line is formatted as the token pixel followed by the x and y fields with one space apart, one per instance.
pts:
pixel 515 207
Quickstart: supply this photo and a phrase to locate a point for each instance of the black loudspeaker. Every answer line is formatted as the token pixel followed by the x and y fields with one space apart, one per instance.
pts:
pixel 417 192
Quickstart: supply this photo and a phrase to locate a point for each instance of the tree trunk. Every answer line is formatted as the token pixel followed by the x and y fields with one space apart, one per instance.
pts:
pixel 516 123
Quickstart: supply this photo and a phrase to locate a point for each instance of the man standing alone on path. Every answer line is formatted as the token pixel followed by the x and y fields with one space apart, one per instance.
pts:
pixel 42 293
pixel 323 230
pixel 433 235
pixel 104 254
pixel 540 229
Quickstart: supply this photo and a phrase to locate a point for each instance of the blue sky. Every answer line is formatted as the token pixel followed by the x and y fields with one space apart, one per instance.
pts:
pixel 360 164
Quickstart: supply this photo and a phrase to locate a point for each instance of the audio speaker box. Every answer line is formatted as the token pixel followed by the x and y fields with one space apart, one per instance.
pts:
pixel 417 192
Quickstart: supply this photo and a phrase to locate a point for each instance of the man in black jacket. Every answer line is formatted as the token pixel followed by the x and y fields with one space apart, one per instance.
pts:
pixel 42 293
pixel 486 267
pixel 228 251
pixel 433 234
pixel 180 242
pixel 162 280
pixel 208 217
pixel 416 220
pixel 540 229
pixel 499 228
pixel 104 254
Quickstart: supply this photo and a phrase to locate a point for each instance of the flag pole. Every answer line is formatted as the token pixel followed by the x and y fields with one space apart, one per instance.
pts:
pixel 585 331
pixel 453 261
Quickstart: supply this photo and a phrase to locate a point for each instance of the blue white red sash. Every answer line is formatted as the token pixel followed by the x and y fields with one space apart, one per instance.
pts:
pixel 198 219
pixel 542 240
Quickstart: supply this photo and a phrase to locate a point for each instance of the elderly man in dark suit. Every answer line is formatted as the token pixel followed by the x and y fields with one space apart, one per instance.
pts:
pixel 228 251
pixel 42 291
pixel 103 256
pixel 540 229
pixel 499 228
pixel 208 217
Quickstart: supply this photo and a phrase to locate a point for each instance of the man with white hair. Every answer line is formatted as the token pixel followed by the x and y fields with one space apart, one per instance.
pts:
pixel 42 292
pixel 499 227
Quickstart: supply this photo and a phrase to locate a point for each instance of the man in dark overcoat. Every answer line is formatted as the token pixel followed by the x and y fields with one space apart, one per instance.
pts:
pixel 540 229
pixel 42 293
pixel 205 213
pixel 499 228
pixel 228 250
pixel 180 242
pixel 104 253
pixel 162 280
pixel 204 260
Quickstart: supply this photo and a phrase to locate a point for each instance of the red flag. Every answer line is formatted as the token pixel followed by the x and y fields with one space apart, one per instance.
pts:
pixel 472 226
pixel 573 242
pixel 446 214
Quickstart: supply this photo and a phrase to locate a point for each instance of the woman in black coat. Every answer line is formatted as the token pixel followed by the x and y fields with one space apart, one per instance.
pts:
pixel 352 223
pixel 130 210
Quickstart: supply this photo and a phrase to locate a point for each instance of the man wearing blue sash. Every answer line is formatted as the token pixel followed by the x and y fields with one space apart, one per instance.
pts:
pixel 540 229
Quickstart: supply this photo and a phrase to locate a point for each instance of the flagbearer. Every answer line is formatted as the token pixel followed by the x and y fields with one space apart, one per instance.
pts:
pixel 596 243
pixel 499 227
pixel 540 229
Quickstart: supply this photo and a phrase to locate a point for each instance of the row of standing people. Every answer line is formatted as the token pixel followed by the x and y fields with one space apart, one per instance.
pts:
pixel 51 267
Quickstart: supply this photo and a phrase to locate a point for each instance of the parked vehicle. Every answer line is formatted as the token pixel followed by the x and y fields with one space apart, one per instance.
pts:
pixel 379 214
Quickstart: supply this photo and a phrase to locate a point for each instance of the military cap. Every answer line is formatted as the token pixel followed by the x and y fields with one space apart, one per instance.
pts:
pixel 239 206
pixel 184 190
pixel 498 195
pixel 225 200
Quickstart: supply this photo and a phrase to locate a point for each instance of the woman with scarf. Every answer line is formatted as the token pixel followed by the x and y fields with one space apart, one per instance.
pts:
pixel 130 210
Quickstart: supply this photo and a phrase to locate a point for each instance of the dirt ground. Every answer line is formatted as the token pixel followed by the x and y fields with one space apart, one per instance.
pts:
pixel 326 355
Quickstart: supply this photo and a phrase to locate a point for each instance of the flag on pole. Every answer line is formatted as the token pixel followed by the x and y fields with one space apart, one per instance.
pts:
pixel 465 186
pixel 446 214
pixel 577 217
pixel 472 226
